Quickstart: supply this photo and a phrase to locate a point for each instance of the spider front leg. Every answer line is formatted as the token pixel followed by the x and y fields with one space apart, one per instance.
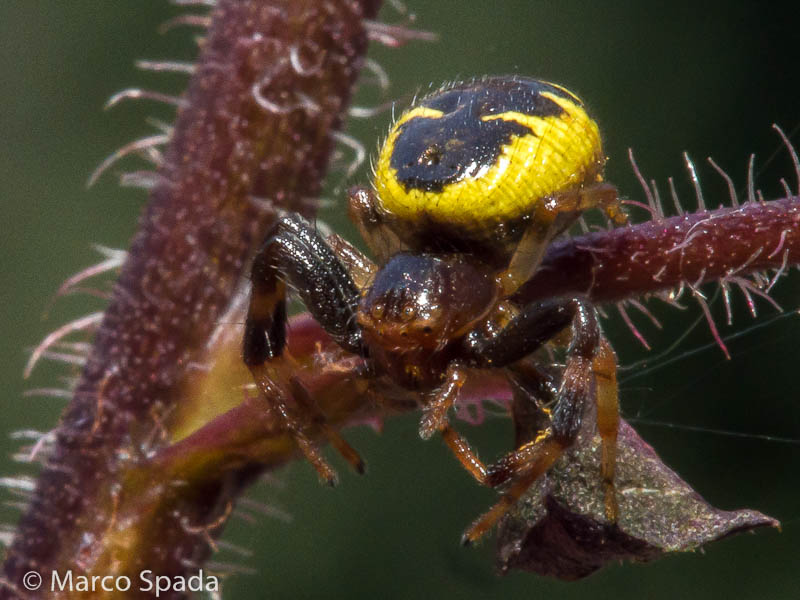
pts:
pixel 296 253
pixel 434 418
pixel 590 374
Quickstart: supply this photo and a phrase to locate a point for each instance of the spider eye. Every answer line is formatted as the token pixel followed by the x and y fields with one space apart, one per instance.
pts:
pixel 378 310
pixel 475 158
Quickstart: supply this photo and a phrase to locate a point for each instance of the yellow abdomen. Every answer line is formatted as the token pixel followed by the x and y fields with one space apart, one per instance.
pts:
pixel 474 157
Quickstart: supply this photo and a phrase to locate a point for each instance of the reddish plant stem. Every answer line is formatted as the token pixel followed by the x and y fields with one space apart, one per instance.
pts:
pixel 271 84
pixel 666 253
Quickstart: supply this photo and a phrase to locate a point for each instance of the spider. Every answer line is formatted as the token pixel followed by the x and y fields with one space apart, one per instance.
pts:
pixel 470 187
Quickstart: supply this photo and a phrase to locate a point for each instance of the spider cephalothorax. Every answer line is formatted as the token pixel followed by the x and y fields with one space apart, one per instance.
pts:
pixel 415 313
pixel 471 186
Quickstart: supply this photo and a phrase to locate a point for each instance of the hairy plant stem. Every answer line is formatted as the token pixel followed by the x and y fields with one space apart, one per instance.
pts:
pixel 270 87
pixel 667 253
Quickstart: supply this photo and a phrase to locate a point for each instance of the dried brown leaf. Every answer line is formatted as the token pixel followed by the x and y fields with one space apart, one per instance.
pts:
pixel 559 527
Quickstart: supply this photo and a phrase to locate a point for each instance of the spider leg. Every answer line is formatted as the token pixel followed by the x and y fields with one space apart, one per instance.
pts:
pixel 303 398
pixel 527 257
pixel 598 195
pixel 587 351
pixel 547 453
pixel 552 217
pixel 362 270
pixel 434 418
pixel 296 253
pixel 362 208
pixel 604 367
pixel 295 423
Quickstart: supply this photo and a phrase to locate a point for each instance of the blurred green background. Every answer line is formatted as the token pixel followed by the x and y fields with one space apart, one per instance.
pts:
pixel 661 78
